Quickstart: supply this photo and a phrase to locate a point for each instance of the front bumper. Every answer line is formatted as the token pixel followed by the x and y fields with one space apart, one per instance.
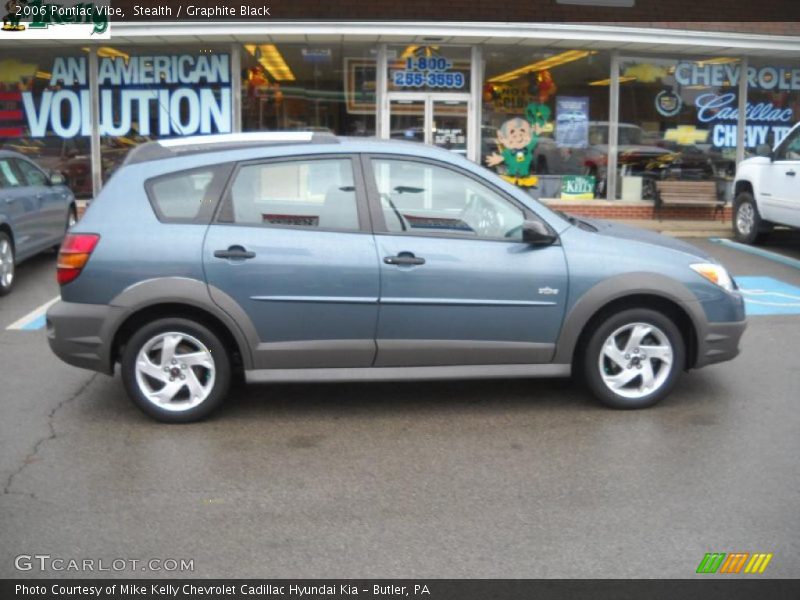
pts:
pixel 719 342
pixel 80 334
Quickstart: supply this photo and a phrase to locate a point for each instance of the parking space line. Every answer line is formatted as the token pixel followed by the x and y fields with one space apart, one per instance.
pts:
pixel 34 319
pixel 785 260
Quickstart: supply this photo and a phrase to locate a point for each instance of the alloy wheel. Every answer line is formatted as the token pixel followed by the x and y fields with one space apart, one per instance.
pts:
pixel 636 360
pixel 6 263
pixel 745 218
pixel 175 371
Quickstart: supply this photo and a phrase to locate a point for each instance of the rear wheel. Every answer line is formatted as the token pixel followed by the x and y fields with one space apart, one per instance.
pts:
pixel 748 226
pixel 7 264
pixel 634 358
pixel 176 370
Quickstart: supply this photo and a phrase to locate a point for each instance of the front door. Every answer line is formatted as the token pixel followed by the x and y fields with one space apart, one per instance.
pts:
pixel 437 118
pixel 292 246
pixel 458 285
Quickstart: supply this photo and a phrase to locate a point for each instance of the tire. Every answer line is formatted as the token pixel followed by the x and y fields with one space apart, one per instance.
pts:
pixel 167 396
pixel 8 266
pixel 630 369
pixel 748 227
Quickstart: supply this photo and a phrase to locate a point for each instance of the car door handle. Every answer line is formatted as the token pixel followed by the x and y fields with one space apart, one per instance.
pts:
pixel 791 173
pixel 404 259
pixel 235 253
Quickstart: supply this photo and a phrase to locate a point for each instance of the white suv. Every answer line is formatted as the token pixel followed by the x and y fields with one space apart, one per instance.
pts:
pixel 768 190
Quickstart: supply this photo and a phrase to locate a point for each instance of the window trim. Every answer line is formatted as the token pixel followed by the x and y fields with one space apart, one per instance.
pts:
pixel 376 212
pixel 208 205
pixel 364 217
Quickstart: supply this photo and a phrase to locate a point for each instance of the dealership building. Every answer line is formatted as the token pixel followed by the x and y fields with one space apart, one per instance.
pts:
pixel 607 110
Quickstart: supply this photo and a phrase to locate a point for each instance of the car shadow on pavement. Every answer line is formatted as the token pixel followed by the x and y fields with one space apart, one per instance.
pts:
pixel 405 397
pixel 491 397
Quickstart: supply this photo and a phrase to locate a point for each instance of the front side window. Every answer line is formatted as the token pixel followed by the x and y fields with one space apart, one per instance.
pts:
pixel 790 148
pixel 180 196
pixel 8 175
pixel 315 193
pixel 33 176
pixel 424 198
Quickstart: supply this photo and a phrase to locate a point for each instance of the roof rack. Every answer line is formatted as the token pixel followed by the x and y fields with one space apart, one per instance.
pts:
pixel 171 147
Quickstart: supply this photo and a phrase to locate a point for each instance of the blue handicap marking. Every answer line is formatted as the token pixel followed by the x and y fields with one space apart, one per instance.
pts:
pixel 769 296
pixel 37 323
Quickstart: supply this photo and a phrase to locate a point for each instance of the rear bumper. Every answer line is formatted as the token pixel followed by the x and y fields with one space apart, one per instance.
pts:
pixel 719 343
pixel 78 334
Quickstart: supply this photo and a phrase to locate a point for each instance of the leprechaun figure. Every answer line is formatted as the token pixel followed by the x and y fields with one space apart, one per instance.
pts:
pixel 11 22
pixel 517 139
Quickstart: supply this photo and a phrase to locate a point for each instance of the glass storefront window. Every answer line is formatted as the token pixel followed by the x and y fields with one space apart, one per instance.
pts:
pixel 326 87
pixel 43 103
pixel 144 94
pixel 677 121
pixel 773 102
pixel 147 93
pixel 545 119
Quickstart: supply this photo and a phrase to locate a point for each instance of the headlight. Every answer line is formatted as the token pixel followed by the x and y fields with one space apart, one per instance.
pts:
pixel 715 274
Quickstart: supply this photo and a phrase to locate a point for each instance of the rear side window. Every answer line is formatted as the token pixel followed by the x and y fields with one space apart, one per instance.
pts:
pixel 32 174
pixel 307 193
pixel 181 196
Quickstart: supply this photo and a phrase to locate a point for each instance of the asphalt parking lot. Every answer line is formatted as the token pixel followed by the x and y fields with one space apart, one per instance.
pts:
pixel 522 478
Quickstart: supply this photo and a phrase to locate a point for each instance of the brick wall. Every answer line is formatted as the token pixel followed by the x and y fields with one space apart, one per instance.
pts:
pixel 642 210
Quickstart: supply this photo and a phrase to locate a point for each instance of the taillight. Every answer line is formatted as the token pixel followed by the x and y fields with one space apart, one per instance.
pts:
pixel 74 254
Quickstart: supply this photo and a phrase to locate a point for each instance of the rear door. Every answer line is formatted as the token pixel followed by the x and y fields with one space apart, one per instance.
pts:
pixel 458 285
pixel 292 245
pixel 50 201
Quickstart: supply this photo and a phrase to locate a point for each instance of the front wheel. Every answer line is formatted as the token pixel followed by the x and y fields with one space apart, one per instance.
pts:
pixel 748 226
pixel 634 358
pixel 176 370
pixel 7 264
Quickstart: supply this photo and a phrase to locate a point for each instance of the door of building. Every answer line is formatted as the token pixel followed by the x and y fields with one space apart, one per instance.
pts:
pixel 441 119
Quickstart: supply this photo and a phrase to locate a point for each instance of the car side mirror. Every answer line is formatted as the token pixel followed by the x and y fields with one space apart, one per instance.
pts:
pixel 536 233
pixel 57 179
pixel 764 150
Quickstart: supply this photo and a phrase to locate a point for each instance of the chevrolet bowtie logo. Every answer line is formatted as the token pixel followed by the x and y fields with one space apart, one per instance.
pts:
pixel 732 563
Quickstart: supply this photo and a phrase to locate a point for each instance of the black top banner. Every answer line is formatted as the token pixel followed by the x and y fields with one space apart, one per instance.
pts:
pixel 783 13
